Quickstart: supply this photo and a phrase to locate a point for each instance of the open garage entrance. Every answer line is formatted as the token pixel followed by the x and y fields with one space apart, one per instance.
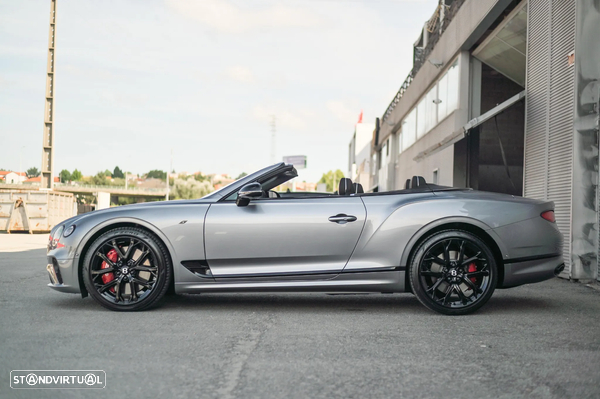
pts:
pixel 490 157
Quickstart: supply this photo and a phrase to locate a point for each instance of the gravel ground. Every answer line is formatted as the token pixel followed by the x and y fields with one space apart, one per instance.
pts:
pixel 536 341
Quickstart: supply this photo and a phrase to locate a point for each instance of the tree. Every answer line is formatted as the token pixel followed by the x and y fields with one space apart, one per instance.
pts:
pixel 157 174
pixel 332 179
pixel 241 175
pixel 65 176
pixel 33 172
pixel 201 177
pixel 101 178
pixel 190 188
pixel 117 173
pixel 76 175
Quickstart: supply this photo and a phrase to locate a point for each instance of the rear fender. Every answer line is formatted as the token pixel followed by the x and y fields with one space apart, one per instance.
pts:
pixel 450 222
pixel 392 229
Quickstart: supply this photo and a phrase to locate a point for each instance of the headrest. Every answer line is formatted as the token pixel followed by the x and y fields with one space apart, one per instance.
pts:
pixel 358 188
pixel 416 181
pixel 345 187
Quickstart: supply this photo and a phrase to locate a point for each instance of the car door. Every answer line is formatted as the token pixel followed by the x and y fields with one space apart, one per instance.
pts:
pixel 282 236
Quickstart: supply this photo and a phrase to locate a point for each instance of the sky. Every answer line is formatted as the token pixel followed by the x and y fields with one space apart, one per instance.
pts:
pixel 137 80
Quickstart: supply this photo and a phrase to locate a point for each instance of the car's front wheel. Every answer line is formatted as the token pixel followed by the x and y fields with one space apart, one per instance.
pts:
pixel 127 269
pixel 453 272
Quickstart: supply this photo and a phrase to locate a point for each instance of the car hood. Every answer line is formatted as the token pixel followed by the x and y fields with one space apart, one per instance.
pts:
pixel 119 209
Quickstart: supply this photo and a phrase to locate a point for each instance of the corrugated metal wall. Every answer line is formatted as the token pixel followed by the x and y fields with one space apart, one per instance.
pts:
pixel 549 109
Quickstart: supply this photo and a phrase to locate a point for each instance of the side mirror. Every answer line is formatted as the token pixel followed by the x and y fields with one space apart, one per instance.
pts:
pixel 249 191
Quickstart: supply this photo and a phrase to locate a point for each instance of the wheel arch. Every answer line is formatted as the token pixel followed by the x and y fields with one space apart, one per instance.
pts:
pixel 108 225
pixel 473 226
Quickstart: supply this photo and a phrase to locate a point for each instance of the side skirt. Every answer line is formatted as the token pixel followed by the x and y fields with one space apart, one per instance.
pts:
pixel 386 281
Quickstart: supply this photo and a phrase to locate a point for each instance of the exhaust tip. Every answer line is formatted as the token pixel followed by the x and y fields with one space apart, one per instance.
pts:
pixel 559 269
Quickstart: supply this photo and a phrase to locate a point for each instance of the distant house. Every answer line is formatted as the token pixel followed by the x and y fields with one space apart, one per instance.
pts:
pixel 221 181
pixel 38 180
pixel 9 177
pixel 151 183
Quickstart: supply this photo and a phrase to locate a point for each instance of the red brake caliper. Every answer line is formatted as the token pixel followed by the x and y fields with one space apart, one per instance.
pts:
pixel 472 268
pixel 108 277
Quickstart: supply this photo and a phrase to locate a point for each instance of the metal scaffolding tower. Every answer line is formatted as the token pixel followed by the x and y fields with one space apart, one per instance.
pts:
pixel 48 141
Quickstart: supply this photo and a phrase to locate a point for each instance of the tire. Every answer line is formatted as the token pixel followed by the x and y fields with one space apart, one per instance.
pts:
pixel 127 269
pixel 453 272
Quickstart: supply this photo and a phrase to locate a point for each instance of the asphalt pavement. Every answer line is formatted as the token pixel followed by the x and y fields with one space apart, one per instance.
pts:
pixel 535 341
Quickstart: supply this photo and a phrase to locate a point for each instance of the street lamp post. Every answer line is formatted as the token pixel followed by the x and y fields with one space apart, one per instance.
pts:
pixel 21 164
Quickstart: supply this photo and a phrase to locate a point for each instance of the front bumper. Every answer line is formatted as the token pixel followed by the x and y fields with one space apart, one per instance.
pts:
pixel 63 275
pixel 531 270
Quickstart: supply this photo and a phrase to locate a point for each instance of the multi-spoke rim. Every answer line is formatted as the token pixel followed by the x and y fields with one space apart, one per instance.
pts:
pixel 455 273
pixel 124 270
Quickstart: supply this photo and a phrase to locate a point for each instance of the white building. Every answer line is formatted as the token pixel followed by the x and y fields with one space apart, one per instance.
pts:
pixel 14 177
pixel 359 157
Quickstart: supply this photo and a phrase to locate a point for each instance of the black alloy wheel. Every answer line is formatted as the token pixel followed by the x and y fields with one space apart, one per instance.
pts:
pixel 127 269
pixel 453 272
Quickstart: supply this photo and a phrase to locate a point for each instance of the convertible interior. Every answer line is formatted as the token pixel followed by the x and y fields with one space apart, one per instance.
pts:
pixel 345 187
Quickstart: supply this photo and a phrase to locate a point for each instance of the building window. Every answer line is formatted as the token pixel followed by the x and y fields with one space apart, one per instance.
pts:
pixel 439 102
pixel 448 92
pixel 435 179
pixel 409 129
pixel 384 154
pixel 373 164
pixel 421 113
pixel 431 100
pixel 399 141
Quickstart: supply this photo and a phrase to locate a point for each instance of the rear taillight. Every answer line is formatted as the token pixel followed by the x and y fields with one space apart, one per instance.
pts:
pixel 549 216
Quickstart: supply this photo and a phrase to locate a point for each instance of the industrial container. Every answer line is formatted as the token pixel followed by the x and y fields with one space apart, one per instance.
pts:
pixel 34 210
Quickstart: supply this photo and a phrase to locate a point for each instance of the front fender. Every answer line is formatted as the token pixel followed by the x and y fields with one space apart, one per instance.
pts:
pixel 179 227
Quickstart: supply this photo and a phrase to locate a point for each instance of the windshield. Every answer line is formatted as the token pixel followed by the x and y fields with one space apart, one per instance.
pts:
pixel 246 179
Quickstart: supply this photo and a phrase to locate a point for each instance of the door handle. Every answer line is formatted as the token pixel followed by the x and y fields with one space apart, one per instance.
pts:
pixel 342 218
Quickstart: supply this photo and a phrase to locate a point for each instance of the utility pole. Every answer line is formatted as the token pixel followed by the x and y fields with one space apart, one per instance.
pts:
pixel 168 172
pixel 21 164
pixel 48 137
pixel 273 139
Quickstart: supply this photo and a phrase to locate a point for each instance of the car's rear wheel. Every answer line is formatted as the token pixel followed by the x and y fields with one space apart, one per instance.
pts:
pixel 453 272
pixel 127 269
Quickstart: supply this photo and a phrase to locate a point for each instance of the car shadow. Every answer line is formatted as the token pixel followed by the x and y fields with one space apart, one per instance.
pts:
pixel 519 304
pixel 304 303
pixel 313 303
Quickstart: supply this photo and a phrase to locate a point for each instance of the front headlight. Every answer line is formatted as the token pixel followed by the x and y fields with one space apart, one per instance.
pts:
pixel 58 232
pixel 69 230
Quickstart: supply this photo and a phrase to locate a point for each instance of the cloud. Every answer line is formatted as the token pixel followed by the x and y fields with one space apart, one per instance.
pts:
pixel 227 17
pixel 342 111
pixel 240 74
pixel 299 119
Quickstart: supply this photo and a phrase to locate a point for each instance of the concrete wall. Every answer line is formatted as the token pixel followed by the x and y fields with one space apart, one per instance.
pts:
pixel 406 166
pixel 467 26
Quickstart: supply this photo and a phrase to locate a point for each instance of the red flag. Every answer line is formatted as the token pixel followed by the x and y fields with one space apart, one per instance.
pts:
pixel 360 117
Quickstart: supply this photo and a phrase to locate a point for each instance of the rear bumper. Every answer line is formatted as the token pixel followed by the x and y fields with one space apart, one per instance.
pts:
pixel 531 270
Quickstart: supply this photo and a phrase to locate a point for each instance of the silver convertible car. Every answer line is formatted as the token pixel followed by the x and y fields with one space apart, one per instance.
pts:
pixel 450 247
